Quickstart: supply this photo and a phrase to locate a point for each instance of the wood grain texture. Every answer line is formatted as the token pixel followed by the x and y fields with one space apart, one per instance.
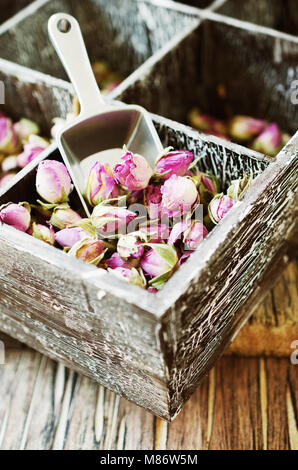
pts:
pixel 274 325
pixel 244 403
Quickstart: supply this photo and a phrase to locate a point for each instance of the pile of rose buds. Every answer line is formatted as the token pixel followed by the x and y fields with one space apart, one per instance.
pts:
pixel 20 143
pixel 144 222
pixel 256 134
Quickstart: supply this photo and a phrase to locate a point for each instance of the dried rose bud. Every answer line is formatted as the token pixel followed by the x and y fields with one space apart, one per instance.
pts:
pixel 117 262
pixel 9 163
pixel 153 198
pixel 134 172
pixel 269 141
pixel 68 237
pixel 53 182
pixel 208 186
pixel 43 233
pixel 9 143
pixel 16 215
pixel 244 127
pixel 63 217
pixel 239 187
pixel 210 182
pixel 157 232
pixel 179 193
pixel 173 163
pixel 109 219
pixel 191 233
pixel 100 184
pixel 131 245
pixel 32 149
pixel 219 207
pixel 24 128
pixel 159 261
pixel 132 275
pixel 91 251
pixel 206 123
pixel 6 179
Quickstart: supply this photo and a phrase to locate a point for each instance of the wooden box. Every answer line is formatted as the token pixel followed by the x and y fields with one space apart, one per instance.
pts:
pixel 11 7
pixel 155 349
pixel 278 14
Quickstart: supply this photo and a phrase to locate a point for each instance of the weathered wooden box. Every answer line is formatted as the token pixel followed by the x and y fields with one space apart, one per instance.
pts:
pixel 125 34
pixel 224 67
pixel 278 14
pixel 155 349
pixel 11 7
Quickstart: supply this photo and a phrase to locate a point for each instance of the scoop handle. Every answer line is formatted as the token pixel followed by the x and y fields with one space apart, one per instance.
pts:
pixel 66 36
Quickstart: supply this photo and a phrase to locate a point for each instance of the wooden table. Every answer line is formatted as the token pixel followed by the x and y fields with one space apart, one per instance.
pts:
pixel 244 403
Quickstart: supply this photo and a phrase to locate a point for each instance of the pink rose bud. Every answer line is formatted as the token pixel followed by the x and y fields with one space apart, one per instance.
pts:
pixel 9 163
pixel 63 216
pixel 32 149
pixel 24 128
pixel 174 163
pixel 134 173
pixel 117 262
pixel 153 198
pixel 179 193
pixel 43 233
pixel 244 127
pixel 160 260
pixel 191 233
pixel 157 232
pixel 206 123
pixel 68 237
pixel 178 231
pixel 91 251
pixel 132 275
pixel 269 141
pixel 194 235
pixel 9 143
pixel 6 179
pixel 239 187
pixel 210 182
pixel 219 207
pixel 100 184
pixel 131 245
pixel 53 182
pixel 16 215
pixel 110 219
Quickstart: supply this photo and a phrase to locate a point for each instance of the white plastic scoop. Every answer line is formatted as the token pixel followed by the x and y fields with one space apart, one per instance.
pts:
pixel 101 130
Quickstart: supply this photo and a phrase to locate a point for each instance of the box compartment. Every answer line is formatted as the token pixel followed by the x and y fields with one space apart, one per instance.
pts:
pixel 277 14
pixel 124 34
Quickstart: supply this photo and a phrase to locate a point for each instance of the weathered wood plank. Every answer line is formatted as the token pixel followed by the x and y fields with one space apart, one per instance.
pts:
pixel 274 325
pixel 244 404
